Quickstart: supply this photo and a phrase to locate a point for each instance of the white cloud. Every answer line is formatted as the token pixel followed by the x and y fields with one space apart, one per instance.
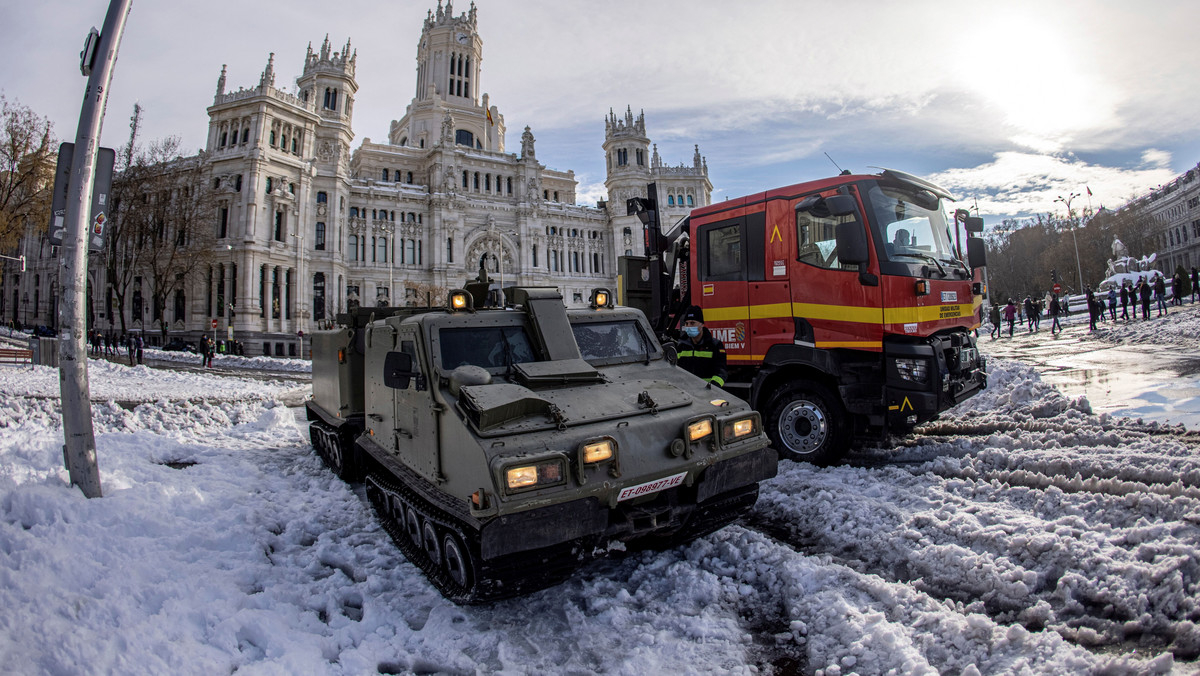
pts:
pixel 1156 159
pixel 1022 184
pixel 765 88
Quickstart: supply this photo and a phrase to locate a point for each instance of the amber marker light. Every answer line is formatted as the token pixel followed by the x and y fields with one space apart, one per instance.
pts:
pixel 699 430
pixel 601 298
pixel 598 451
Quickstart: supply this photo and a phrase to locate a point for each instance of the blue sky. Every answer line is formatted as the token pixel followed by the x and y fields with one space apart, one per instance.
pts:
pixel 1008 104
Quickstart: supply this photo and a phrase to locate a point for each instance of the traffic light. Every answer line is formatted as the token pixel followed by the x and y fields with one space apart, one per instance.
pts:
pixel 1054 275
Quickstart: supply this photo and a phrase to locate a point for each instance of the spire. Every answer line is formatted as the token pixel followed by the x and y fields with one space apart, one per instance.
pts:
pixel 221 82
pixel 696 157
pixel 325 49
pixel 268 76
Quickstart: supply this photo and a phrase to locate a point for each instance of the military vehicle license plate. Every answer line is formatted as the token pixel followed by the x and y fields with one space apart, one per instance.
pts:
pixel 649 487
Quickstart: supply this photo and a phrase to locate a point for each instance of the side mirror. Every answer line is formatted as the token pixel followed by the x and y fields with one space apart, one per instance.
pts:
pixel 397 370
pixel 841 205
pixel 851 243
pixel 976 253
pixel 973 224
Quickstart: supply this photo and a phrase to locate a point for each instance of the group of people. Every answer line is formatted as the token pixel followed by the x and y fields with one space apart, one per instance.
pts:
pixel 1101 306
pixel 103 344
pixel 1031 317
pixel 1133 294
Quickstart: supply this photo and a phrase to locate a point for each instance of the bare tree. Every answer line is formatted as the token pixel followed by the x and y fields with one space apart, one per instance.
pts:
pixel 27 158
pixel 165 233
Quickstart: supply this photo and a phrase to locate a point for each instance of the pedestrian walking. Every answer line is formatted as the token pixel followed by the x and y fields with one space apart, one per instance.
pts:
pixel 1125 301
pixel 1029 310
pixel 140 343
pixel 1144 295
pixel 1093 310
pixel 994 315
pixel 1055 310
pixel 1112 304
pixel 1010 315
pixel 1160 295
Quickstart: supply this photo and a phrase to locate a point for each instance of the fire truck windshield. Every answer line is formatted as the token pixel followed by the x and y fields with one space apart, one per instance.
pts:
pixel 913 233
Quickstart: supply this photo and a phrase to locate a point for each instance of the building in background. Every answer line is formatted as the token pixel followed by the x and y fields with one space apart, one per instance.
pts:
pixel 307 225
pixel 1170 218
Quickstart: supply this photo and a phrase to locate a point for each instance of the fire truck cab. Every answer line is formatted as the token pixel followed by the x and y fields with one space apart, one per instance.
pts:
pixel 846 305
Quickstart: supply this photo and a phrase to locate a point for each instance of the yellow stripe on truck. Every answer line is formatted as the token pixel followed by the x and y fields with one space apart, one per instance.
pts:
pixel 929 313
pixel 840 313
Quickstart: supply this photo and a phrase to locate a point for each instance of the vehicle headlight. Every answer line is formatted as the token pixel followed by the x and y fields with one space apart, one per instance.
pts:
pixel 734 430
pixel 597 451
pixel 699 429
pixel 913 370
pixel 524 477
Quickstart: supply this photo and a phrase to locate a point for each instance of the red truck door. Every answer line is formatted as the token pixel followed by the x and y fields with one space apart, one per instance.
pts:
pixel 843 307
pixel 719 277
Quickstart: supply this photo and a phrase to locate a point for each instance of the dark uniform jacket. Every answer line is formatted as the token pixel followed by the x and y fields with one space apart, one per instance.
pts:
pixel 705 359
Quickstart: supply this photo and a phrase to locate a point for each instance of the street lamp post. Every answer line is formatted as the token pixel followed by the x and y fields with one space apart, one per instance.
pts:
pixel 389 228
pixel 300 289
pixel 1070 219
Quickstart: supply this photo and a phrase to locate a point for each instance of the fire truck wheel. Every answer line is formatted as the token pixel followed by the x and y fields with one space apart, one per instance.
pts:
pixel 806 423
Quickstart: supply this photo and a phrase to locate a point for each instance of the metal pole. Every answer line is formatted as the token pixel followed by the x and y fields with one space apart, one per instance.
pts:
pixel 1078 267
pixel 79 449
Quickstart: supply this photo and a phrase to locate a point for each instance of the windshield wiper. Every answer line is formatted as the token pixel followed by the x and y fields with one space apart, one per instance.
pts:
pixel 924 257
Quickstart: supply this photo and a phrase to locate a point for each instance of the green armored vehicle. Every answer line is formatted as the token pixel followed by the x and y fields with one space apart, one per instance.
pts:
pixel 502 447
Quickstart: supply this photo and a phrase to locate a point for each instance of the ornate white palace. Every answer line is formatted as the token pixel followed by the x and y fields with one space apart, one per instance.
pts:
pixel 308 226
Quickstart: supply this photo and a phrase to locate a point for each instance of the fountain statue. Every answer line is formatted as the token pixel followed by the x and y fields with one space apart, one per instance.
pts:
pixel 1123 268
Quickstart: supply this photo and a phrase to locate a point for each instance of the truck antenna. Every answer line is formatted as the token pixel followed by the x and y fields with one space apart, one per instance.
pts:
pixel 841 171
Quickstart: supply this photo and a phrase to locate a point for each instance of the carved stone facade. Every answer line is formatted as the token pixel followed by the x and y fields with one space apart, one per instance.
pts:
pixel 310 226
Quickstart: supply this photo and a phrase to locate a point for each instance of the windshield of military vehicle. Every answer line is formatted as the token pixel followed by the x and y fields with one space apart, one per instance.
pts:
pixel 489 347
pixel 912 231
pixel 610 340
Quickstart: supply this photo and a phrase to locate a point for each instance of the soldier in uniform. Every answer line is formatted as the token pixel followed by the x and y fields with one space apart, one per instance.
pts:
pixel 700 352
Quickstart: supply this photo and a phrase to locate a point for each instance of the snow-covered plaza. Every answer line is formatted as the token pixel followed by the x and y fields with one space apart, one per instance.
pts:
pixel 1027 532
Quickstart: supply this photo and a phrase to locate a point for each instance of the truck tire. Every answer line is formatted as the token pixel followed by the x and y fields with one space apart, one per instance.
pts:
pixel 806 423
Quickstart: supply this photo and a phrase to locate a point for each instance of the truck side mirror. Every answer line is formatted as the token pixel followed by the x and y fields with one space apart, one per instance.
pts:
pixel 851 243
pixel 973 224
pixel 841 205
pixel 976 252
pixel 397 370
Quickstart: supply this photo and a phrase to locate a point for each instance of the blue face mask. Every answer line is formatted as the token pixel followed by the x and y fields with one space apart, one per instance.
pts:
pixel 691 331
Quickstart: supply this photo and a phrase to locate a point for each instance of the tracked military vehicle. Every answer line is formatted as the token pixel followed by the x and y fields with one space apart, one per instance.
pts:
pixel 504 446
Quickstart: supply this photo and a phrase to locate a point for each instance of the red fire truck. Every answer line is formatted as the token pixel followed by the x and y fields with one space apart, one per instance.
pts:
pixel 846 305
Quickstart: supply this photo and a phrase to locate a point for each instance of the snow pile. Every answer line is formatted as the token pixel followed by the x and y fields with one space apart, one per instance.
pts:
pixel 1017 537
pixel 114 381
pixel 290 364
pixel 1178 328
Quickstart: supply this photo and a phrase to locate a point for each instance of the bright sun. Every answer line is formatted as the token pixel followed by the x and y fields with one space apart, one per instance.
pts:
pixel 1031 71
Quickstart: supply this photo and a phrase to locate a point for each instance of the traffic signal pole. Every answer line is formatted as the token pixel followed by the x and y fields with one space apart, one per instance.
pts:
pixel 96 62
